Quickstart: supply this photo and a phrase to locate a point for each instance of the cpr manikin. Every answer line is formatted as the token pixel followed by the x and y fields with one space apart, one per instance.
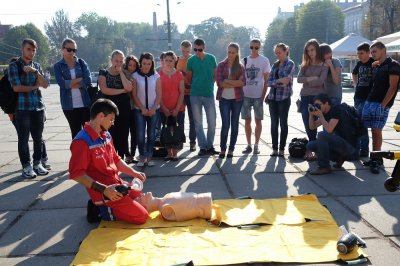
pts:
pixel 178 206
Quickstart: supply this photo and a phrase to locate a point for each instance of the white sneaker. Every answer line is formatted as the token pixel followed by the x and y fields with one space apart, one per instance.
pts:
pixel 40 170
pixel 27 172
pixel 140 163
pixel 150 163
pixel 46 164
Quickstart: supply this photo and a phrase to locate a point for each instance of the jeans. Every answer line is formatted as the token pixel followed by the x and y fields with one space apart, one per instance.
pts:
pixel 279 112
pixel 209 107
pixel 364 140
pixel 230 112
pixel 192 130
pixel 335 100
pixel 44 150
pixel 29 122
pixel 305 101
pixel 77 118
pixel 142 122
pixel 332 147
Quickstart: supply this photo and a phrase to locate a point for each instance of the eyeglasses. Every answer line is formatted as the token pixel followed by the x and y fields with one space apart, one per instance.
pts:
pixel 254 47
pixel 198 50
pixel 71 49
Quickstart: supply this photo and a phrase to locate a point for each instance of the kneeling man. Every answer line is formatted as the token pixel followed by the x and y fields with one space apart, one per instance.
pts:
pixel 337 141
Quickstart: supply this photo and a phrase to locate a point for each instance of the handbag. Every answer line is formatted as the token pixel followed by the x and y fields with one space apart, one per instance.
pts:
pixel 298 105
pixel 172 133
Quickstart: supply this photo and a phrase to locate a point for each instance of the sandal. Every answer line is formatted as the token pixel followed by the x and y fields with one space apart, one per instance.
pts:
pixel 230 154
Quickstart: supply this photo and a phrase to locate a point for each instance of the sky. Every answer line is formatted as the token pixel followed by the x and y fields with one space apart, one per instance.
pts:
pixel 256 13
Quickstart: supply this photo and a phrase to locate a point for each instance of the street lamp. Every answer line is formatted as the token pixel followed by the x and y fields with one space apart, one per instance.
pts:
pixel 169 25
pixel 169 28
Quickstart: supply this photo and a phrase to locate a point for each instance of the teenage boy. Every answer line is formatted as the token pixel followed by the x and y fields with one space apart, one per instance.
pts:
pixel 26 76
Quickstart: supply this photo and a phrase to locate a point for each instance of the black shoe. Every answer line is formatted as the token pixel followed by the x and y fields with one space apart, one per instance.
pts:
pixel 339 162
pixel 221 155
pixel 92 213
pixel 212 151
pixel 192 147
pixel 202 152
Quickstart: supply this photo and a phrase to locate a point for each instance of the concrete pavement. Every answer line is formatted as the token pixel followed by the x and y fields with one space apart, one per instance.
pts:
pixel 42 221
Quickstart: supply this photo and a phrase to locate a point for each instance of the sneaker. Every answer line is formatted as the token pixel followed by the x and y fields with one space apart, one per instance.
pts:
pixel 27 172
pixel 46 164
pixel 150 163
pixel 256 150
pixel 202 152
pixel 141 163
pixel 212 151
pixel 40 170
pixel 247 150
pixel 321 171
pixel 92 212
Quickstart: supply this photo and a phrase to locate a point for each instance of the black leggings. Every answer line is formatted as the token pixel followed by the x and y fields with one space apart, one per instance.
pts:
pixel 77 118
pixel 279 115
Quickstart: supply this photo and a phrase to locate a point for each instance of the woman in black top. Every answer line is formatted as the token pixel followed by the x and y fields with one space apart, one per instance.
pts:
pixel 115 84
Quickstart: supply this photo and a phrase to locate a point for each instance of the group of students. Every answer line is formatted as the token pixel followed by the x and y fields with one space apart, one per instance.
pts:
pixel 376 80
pixel 145 96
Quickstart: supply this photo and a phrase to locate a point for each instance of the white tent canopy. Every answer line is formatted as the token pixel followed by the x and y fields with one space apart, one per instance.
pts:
pixel 393 47
pixel 389 38
pixel 347 46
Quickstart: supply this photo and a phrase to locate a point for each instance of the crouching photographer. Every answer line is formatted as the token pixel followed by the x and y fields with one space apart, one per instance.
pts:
pixel 336 142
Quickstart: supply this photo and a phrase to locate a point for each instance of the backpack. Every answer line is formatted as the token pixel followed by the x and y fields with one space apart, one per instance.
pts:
pixel 8 97
pixel 298 147
pixel 357 124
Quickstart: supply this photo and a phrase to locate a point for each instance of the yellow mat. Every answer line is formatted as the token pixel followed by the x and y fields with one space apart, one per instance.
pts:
pixel 286 238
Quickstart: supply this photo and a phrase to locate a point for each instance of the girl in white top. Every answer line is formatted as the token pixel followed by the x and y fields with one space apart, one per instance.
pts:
pixel 146 95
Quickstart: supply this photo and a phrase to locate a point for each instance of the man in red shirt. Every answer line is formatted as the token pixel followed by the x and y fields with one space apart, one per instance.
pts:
pixel 95 164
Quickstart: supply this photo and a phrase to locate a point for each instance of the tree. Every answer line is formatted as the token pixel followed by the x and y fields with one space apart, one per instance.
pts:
pixel 273 36
pixel 17 34
pixel 322 20
pixel 382 18
pixel 59 29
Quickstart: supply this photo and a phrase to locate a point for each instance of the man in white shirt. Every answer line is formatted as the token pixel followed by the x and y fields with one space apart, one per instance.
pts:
pixel 257 73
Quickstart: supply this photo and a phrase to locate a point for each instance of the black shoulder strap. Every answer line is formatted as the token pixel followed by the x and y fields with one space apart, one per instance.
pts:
pixel 176 62
pixel 245 61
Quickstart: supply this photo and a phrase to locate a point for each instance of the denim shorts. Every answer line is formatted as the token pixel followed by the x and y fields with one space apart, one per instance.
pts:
pixel 258 107
pixel 374 116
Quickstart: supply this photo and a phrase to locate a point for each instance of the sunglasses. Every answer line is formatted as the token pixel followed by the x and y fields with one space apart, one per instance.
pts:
pixel 71 50
pixel 198 50
pixel 254 47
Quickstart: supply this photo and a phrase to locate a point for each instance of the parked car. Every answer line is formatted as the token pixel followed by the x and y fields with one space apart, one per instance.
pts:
pixel 94 76
pixel 347 80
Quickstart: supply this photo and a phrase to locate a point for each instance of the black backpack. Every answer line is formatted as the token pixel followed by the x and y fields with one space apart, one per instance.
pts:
pixel 357 123
pixel 298 147
pixel 8 97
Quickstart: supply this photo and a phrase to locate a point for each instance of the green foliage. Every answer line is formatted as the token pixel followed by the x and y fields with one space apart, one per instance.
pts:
pixel 17 34
pixel 322 20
